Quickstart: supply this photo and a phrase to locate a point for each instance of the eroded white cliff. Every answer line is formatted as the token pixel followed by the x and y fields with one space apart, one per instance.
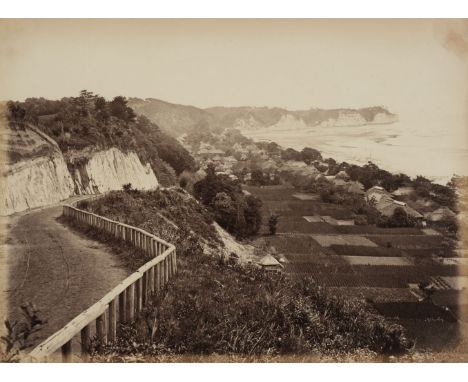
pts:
pixel 109 170
pixel 34 183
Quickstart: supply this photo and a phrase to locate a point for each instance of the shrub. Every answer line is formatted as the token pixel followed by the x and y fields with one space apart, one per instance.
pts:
pixel 360 220
pixel 272 224
pixel 398 219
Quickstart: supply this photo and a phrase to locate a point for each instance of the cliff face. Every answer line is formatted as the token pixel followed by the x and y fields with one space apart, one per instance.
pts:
pixel 180 119
pixel 35 173
pixel 35 182
pixel 110 170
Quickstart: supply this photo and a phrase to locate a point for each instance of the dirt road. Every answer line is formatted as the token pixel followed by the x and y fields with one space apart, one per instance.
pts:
pixel 60 271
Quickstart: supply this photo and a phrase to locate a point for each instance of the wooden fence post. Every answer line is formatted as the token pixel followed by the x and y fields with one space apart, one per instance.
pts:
pixel 122 307
pixel 174 262
pixel 85 341
pixel 131 302
pixel 151 281
pixel 166 269
pixel 112 327
pixel 144 291
pixel 66 351
pixel 157 278
pixel 101 332
pixel 138 296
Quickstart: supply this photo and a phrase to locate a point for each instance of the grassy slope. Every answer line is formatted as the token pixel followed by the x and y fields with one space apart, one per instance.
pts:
pixel 215 308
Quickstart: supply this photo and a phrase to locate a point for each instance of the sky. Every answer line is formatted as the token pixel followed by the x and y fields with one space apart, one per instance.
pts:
pixel 410 66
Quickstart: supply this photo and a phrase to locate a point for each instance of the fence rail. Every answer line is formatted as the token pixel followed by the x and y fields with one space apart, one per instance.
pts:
pixel 123 303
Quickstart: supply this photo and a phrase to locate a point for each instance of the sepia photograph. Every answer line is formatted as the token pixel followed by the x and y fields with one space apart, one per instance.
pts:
pixel 233 190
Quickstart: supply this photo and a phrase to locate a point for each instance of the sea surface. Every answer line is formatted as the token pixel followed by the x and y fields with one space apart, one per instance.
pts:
pixel 436 150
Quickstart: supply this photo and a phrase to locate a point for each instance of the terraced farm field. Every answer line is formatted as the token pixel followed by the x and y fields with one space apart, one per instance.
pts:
pixel 369 262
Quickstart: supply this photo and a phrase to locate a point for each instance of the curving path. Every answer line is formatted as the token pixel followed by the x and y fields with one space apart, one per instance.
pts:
pixel 42 261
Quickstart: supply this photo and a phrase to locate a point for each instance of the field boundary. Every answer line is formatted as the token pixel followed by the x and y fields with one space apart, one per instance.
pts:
pixel 124 302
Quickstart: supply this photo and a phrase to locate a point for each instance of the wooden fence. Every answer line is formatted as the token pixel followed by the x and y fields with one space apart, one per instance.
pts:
pixel 123 303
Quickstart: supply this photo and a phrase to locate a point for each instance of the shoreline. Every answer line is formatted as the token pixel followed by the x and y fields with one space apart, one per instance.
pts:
pixel 364 144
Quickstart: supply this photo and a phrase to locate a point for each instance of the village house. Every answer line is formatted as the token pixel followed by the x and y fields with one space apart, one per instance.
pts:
pixel 389 209
pixel 342 175
pixel 269 263
pixel 386 205
pixel 377 193
pixel 209 152
pixel 440 214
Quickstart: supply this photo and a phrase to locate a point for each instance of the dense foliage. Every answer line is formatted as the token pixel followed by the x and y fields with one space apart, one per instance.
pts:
pixel 371 175
pixel 171 214
pixel 214 308
pixel 91 121
pixel 307 155
pixel 236 212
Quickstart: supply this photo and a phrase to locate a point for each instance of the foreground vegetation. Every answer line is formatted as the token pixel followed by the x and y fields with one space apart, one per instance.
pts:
pixel 220 308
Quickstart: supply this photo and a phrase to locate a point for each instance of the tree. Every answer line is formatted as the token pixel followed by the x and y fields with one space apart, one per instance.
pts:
pixel 308 155
pixel 127 187
pixel 399 218
pixel 16 113
pixel 119 109
pixel 257 177
pixel 291 154
pixel 272 224
pixel 253 214
pixel 235 212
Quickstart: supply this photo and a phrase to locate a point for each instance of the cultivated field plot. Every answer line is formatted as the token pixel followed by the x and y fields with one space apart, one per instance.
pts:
pixel 376 294
pixel 442 270
pixel 272 192
pixel 450 297
pixel 305 208
pixel 313 219
pixel 287 224
pixel 380 276
pixel 328 240
pixel 294 244
pixel 408 242
pixel 425 252
pixel 277 207
pixel 371 260
pixel 430 231
pixel 335 222
pixel 357 250
pixel 302 258
pixel 373 230
pixel 414 310
pixel 302 196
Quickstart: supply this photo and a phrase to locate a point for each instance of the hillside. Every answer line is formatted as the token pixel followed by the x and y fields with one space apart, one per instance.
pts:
pixel 53 149
pixel 180 119
pixel 216 307
pixel 175 119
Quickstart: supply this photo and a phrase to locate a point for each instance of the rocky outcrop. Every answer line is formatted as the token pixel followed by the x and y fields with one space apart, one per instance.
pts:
pixel 110 170
pixel 35 172
pixel 34 183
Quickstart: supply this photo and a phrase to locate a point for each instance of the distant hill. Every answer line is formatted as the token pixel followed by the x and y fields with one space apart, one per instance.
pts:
pixel 180 119
pixel 175 119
